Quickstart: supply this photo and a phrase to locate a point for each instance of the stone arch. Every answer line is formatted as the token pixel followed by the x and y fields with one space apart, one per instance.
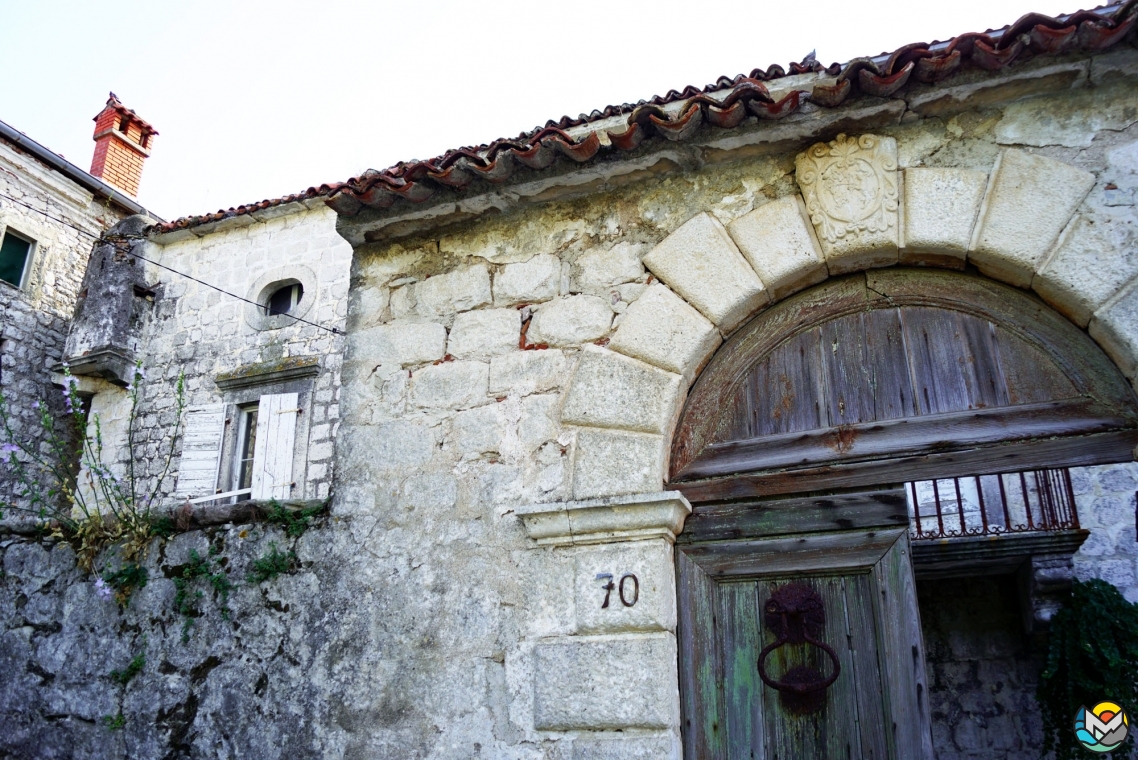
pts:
pixel 1017 224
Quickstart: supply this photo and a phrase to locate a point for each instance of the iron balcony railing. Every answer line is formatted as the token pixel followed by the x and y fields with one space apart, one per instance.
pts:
pixel 986 505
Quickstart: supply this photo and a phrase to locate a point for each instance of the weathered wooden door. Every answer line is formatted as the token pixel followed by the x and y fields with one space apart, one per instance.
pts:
pixel 879 378
pixel 805 641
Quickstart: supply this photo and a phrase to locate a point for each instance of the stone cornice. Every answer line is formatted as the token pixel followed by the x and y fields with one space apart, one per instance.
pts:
pixel 606 520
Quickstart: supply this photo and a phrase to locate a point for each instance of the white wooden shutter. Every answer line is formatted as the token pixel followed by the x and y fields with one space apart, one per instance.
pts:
pixel 272 454
pixel 202 431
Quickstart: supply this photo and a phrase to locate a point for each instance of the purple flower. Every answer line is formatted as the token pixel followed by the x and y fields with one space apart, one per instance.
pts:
pixel 103 590
pixel 6 452
pixel 35 405
pixel 139 374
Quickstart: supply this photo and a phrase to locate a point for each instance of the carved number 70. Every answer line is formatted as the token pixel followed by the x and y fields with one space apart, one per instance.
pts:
pixel 629 593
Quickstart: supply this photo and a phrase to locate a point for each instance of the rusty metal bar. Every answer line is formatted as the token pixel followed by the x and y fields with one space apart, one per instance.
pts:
pixel 917 508
pixel 939 516
pixel 983 506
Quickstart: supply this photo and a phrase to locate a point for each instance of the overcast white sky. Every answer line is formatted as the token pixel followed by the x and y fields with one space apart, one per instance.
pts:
pixel 260 99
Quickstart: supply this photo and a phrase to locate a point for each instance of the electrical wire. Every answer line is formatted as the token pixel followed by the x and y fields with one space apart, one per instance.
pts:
pixel 333 330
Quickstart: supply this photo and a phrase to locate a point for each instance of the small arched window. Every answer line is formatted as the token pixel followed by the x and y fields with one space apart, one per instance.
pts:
pixel 284 300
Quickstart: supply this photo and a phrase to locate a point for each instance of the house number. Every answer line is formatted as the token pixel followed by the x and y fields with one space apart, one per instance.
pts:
pixel 627 589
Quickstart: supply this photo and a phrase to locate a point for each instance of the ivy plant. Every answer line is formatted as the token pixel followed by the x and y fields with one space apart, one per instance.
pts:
pixel 1092 657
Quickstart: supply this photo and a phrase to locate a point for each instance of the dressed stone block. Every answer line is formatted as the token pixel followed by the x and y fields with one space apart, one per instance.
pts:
pixel 663 329
pixel 850 188
pixel 460 290
pixel 701 262
pixel 525 372
pixel 450 385
pixel 614 391
pixel 1029 201
pixel 626 587
pixel 1115 327
pixel 400 344
pixel 940 211
pixel 538 279
pixel 597 683
pixel 571 321
pixel 778 241
pixel 611 462
pixel 666 747
pixel 1086 268
pixel 484 332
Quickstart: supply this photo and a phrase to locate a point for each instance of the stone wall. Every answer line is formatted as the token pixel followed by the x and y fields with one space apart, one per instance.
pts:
pixel 63 219
pixel 208 335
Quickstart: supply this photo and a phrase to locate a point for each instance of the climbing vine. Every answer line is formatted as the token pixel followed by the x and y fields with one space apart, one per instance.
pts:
pixel 1092 657
pixel 64 481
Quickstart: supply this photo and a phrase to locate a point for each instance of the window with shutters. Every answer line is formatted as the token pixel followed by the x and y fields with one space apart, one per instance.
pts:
pixel 263 449
pixel 15 253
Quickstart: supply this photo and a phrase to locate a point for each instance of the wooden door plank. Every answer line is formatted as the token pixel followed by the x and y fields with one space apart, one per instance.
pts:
pixel 817 553
pixel 865 675
pixel 739 615
pixel 771 517
pixel 902 653
pixel 1029 376
pixel 700 667
pixel 845 367
pixel 893 395
pixel 1068 451
pixel 940 432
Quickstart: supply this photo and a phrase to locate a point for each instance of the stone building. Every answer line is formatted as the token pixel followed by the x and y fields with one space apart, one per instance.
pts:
pixel 50 211
pixel 851 347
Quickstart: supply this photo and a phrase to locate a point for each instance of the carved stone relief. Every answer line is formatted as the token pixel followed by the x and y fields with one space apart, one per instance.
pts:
pixel 850 187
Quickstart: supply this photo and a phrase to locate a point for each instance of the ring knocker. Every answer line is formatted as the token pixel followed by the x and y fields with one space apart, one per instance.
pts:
pixel 795 615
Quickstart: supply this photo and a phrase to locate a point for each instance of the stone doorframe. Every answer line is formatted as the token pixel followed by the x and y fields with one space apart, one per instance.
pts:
pixel 1017 224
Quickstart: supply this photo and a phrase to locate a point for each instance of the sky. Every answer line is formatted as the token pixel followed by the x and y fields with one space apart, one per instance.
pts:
pixel 257 100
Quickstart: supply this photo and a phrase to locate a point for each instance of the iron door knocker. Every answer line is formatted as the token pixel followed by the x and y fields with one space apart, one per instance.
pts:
pixel 795 615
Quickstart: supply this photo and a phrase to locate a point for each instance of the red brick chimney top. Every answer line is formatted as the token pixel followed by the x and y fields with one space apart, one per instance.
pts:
pixel 123 141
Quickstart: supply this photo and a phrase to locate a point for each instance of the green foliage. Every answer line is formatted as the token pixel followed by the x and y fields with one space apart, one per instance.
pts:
pixel 272 564
pixel 63 480
pixel 122 677
pixel 126 580
pixel 188 593
pixel 1093 656
pixel 294 523
pixel 114 722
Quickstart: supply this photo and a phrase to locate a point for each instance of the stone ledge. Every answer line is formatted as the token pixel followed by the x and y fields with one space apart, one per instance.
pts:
pixel 606 520
pixel 267 373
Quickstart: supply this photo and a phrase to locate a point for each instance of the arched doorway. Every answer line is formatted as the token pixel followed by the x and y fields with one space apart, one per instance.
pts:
pixel 800 449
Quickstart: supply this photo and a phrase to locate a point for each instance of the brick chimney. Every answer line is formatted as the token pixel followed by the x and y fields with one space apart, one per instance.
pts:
pixel 122 142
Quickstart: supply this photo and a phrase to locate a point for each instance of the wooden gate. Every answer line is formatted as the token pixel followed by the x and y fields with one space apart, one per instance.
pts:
pixel 794 448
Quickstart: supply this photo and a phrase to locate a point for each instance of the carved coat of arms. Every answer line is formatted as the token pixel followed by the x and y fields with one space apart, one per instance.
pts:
pixel 850 185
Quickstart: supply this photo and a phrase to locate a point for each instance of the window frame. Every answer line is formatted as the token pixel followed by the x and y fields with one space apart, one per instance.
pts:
pixel 6 230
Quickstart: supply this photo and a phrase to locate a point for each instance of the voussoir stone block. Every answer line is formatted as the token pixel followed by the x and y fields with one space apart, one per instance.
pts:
pixel 850 187
pixel 611 390
pixel 1086 268
pixel 1030 200
pixel 571 321
pixel 403 344
pixel 663 329
pixel 526 372
pixel 701 262
pixel 779 242
pixel 940 211
pixel 484 332
pixel 1115 328
pixel 612 462
pixel 460 290
pixel 450 385
pixel 587 683
pixel 538 279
